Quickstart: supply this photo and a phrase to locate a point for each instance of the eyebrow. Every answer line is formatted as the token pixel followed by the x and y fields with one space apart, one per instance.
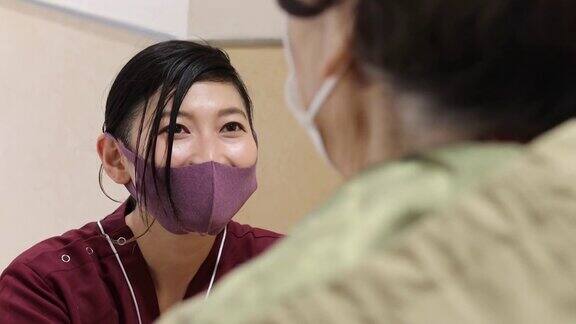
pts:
pixel 167 113
pixel 232 111
pixel 223 112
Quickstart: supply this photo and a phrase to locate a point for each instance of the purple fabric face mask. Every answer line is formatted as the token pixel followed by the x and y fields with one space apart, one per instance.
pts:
pixel 206 196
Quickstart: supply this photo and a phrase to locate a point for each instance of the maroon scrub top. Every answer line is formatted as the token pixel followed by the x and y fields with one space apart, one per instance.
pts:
pixel 75 278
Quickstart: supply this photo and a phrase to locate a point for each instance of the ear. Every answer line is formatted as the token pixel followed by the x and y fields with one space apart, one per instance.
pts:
pixel 113 162
pixel 339 24
pixel 319 46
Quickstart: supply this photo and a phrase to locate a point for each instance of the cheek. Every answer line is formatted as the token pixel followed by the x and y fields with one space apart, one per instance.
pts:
pixel 180 154
pixel 242 154
pixel 160 153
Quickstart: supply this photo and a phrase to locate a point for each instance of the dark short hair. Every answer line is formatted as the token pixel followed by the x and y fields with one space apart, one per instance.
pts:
pixel 510 64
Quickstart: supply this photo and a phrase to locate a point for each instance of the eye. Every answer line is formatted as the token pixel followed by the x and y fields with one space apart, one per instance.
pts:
pixel 232 127
pixel 179 129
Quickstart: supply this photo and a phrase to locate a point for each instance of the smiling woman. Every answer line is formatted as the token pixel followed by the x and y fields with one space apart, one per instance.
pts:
pixel 178 133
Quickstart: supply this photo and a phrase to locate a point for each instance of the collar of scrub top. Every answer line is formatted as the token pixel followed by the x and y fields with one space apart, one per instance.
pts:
pixel 113 248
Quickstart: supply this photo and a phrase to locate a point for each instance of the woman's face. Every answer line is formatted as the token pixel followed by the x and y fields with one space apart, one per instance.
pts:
pixel 212 125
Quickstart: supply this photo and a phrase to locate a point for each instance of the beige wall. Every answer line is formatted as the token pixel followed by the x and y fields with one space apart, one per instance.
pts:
pixel 55 70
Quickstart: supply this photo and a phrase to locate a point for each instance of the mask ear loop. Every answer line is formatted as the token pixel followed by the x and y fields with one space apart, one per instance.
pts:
pixel 306 114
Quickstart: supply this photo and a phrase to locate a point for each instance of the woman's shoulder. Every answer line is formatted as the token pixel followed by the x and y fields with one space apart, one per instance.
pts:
pixel 71 248
pixel 37 286
pixel 245 230
pixel 250 238
pixel 55 250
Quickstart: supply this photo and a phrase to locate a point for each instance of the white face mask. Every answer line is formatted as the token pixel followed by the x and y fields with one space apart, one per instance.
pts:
pixel 306 115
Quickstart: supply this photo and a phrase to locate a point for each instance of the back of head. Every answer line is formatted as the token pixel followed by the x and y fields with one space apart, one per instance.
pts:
pixel 508 66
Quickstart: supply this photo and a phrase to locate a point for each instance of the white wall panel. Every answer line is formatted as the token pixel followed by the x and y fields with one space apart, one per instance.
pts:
pixel 164 17
pixel 221 20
